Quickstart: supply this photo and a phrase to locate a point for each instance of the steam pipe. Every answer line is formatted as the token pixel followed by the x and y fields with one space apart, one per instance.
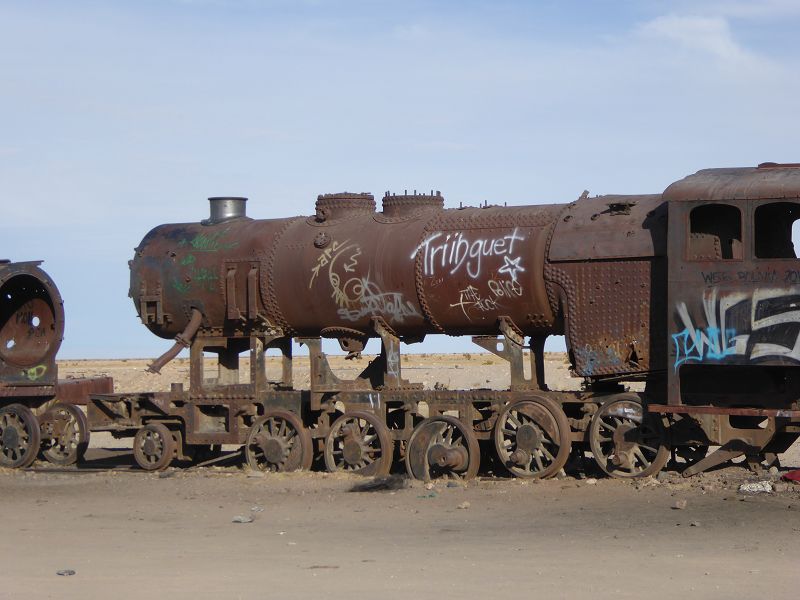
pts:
pixel 182 340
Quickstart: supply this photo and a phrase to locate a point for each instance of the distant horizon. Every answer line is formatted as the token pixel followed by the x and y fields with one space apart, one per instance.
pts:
pixel 478 350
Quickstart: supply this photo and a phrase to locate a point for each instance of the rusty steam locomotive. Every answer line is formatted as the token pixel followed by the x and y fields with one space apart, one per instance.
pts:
pixel 694 293
pixel 38 413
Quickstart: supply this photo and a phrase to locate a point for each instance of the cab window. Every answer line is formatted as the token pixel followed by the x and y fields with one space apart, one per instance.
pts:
pixel 715 233
pixel 774 226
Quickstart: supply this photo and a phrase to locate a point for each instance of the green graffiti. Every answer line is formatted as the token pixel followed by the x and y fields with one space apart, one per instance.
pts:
pixel 205 278
pixel 196 277
pixel 189 259
pixel 35 373
pixel 203 242
pixel 180 286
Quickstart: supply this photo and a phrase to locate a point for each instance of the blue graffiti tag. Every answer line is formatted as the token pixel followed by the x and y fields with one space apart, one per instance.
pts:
pixel 597 359
pixel 703 344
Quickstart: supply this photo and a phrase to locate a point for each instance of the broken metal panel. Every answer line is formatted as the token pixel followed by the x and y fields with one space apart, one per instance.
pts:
pixel 614 315
pixel 610 227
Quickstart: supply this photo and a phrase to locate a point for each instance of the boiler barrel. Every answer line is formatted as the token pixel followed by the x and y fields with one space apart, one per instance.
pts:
pixel 420 268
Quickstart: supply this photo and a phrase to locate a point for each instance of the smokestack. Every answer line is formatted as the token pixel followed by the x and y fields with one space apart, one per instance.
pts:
pixel 226 208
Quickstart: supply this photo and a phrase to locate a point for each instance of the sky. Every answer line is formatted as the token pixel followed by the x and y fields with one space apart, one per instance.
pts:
pixel 119 116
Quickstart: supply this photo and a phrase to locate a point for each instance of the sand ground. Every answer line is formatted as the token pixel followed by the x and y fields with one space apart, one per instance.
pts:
pixel 129 534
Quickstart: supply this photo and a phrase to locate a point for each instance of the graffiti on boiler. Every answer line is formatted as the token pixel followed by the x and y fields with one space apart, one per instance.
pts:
pixel 457 251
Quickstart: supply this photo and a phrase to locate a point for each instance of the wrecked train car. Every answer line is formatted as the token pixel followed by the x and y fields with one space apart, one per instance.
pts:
pixel 38 413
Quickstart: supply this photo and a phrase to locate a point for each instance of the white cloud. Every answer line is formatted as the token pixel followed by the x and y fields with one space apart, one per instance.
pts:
pixel 708 35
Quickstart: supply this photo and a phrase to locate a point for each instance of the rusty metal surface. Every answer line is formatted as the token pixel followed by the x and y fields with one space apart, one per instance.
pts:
pixel 420 268
pixel 474 266
pixel 606 227
pixel 768 180
pixel 614 315
pixel 77 391
pixel 733 316
pixel 722 410
pixel 31 330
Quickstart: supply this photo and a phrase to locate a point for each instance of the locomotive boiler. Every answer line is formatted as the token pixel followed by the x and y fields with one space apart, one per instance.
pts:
pixel 676 291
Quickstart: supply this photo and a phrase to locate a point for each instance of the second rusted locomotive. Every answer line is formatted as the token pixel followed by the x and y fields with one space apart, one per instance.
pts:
pixel 38 416
pixel 693 292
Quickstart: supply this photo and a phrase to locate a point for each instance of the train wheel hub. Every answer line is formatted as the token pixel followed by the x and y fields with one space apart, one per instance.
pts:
pixel 351 451
pixel 10 438
pixel 448 457
pixel 274 450
pixel 529 437
pixel 150 447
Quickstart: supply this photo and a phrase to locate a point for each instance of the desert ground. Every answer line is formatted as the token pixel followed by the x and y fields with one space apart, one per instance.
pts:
pixel 123 533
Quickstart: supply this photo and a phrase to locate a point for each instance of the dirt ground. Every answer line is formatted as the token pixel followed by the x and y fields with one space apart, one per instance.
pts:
pixel 130 534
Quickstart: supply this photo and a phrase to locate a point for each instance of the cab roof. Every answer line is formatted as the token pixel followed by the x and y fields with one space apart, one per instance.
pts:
pixel 767 180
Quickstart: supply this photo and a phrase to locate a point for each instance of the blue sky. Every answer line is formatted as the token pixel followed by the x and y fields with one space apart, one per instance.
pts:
pixel 117 116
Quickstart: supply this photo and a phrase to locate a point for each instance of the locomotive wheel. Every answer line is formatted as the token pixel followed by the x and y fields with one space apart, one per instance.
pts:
pixel 626 442
pixel 153 447
pixel 359 443
pixel 278 442
pixel 65 434
pixel 19 436
pixel 532 438
pixel 442 447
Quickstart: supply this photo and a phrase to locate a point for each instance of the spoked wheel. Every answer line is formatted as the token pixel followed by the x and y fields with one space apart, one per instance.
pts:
pixel 65 434
pixel 442 447
pixel 19 436
pixel 359 443
pixel 153 447
pixel 532 438
pixel 278 442
pixel 625 441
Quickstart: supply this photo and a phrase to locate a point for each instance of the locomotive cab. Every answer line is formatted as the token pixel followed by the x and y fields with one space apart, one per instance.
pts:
pixel 733 306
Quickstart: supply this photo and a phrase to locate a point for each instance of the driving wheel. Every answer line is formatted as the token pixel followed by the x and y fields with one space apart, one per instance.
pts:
pixel 65 434
pixel 359 443
pixel 532 438
pixel 19 436
pixel 278 442
pixel 442 447
pixel 626 441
